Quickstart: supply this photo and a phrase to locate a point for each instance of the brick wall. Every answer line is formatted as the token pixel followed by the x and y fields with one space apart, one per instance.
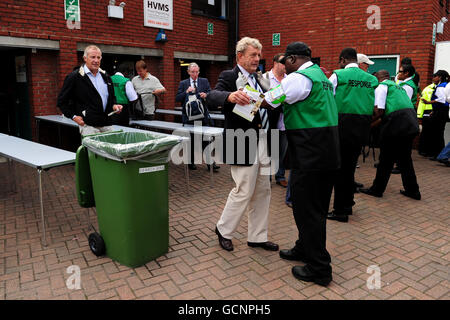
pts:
pixel 329 26
pixel 45 20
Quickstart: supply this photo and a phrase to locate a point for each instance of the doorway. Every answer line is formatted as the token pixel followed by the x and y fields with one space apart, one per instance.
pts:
pixel 14 94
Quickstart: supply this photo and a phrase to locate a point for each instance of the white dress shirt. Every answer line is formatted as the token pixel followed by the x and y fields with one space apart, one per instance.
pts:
pixel 440 94
pixel 296 86
pixel 129 89
pixel 407 87
pixel 99 84
pixel 380 96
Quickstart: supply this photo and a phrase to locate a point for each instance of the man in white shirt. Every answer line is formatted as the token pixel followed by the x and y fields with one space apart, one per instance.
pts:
pixel 87 96
pixel 148 88
pixel 252 192
pixel 275 75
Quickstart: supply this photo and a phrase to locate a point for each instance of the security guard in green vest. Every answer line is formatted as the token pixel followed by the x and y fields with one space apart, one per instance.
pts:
pixel 311 121
pixel 125 93
pixel 399 127
pixel 355 98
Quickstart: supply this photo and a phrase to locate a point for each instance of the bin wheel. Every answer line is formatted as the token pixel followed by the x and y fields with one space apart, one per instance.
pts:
pixel 97 244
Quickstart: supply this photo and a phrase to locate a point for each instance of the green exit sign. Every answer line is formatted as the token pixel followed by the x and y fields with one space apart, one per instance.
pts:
pixel 210 28
pixel 275 39
pixel 72 9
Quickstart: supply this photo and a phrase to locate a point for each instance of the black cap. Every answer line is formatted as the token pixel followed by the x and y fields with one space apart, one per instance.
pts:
pixel 296 48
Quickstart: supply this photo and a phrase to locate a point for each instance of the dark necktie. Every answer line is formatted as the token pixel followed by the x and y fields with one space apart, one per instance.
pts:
pixel 262 112
pixel 195 85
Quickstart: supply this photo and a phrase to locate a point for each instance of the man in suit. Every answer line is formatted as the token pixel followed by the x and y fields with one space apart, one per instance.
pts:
pixel 194 85
pixel 87 96
pixel 252 191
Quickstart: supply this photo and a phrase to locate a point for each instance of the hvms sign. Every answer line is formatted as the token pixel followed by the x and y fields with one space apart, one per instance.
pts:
pixel 158 14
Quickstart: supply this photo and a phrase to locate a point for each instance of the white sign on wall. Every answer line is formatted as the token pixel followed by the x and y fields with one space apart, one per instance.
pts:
pixel 158 14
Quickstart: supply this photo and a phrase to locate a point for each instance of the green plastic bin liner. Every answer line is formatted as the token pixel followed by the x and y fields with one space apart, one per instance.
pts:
pixel 129 173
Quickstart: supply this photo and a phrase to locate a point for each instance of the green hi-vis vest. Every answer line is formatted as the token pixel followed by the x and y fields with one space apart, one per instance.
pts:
pixel 396 98
pixel 119 88
pixel 318 110
pixel 400 117
pixel 312 126
pixel 412 85
pixel 355 92
pixel 422 108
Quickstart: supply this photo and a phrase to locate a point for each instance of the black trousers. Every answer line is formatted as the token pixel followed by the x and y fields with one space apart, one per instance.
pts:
pixel 311 195
pixel 391 150
pixel 123 118
pixel 438 121
pixel 344 186
pixel 424 139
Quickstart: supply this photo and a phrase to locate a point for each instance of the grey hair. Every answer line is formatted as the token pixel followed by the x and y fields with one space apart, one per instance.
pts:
pixel 192 65
pixel 243 44
pixel 91 47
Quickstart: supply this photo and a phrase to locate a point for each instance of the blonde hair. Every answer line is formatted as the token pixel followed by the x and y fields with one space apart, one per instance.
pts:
pixel 243 44
pixel 192 65
pixel 91 47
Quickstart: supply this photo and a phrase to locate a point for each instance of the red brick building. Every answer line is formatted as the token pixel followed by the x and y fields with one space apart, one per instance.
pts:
pixel 38 47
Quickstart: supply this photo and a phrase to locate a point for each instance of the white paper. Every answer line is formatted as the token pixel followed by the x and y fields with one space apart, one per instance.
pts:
pixel 248 111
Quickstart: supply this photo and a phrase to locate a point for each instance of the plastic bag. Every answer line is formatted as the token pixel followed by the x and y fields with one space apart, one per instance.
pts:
pixel 123 146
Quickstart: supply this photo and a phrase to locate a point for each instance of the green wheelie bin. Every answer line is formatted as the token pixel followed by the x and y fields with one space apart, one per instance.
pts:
pixel 125 176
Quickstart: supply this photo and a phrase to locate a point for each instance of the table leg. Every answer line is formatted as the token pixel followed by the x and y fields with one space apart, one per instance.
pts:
pixel 186 174
pixel 12 169
pixel 44 242
pixel 38 122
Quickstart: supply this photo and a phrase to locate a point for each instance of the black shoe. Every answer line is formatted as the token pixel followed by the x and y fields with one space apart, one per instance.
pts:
pixel 282 183
pixel 304 274
pixel 289 204
pixel 292 255
pixel 338 217
pixel 215 167
pixel 224 243
pixel 192 167
pixel 270 246
pixel 359 185
pixel 371 192
pixel 375 165
pixel 395 170
pixel 415 195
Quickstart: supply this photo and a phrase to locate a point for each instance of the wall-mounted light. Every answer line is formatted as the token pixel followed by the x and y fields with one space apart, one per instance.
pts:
pixel 161 36
pixel 440 25
pixel 115 11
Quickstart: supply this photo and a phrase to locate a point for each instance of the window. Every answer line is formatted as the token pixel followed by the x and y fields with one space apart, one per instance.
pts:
pixel 210 8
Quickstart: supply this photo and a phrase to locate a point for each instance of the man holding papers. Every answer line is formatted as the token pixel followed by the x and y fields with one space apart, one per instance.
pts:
pixel 238 91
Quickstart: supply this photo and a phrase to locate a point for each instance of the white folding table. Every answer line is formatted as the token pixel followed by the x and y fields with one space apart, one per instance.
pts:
pixel 35 155
pixel 214 116
pixel 209 132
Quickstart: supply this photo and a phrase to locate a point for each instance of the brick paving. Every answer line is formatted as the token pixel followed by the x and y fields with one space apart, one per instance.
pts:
pixel 407 239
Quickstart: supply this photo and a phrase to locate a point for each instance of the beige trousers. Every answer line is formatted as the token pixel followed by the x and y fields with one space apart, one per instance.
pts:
pixel 252 195
pixel 87 130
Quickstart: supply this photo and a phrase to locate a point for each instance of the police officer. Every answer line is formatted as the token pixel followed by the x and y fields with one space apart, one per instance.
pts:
pixel 311 121
pixel 355 98
pixel 399 126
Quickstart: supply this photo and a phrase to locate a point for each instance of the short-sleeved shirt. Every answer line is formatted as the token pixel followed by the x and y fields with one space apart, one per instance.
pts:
pixel 145 88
